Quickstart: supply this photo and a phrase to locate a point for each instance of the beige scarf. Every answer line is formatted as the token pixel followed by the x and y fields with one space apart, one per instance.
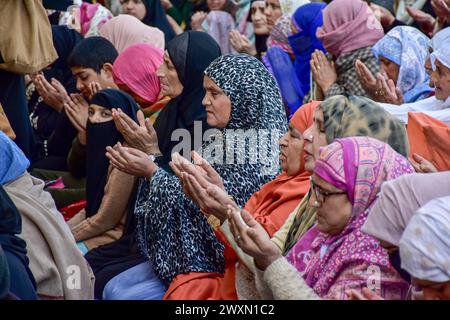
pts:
pixel 60 270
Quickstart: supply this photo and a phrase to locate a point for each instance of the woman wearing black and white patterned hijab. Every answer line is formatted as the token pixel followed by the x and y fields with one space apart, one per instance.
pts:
pixel 172 232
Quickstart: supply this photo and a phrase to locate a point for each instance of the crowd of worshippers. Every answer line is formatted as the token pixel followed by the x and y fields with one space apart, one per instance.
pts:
pixel 119 179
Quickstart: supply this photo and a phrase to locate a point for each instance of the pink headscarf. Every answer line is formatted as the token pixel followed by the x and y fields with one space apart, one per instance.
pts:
pixel 348 25
pixel 136 68
pixel 358 165
pixel 126 30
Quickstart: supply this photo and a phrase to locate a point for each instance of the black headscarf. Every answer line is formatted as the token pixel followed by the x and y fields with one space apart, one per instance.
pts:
pixel 191 53
pixel 22 282
pixel 99 136
pixel 156 17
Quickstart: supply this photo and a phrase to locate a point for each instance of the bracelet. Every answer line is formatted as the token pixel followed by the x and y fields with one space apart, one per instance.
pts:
pixel 214 222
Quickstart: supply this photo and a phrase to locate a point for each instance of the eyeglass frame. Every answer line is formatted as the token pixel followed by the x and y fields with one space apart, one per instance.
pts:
pixel 319 193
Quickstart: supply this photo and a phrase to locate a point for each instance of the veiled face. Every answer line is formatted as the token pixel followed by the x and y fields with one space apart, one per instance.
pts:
pixel 217 104
pixel 99 114
pixel 170 83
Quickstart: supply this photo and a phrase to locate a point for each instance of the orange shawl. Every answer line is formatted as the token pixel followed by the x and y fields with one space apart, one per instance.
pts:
pixel 429 138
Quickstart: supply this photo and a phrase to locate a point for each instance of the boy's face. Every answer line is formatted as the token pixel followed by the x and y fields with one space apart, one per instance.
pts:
pixel 85 76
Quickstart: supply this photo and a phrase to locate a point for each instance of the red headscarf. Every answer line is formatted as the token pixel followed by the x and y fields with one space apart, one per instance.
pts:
pixel 273 203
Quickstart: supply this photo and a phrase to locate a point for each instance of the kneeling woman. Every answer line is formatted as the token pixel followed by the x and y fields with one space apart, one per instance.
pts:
pixel 108 190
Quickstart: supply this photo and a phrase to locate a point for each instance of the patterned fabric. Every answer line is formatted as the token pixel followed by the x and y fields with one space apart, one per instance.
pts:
pixel 348 25
pixel 424 244
pixel 280 33
pixel 347 80
pixel 357 165
pixel 92 18
pixel 172 232
pixel 346 116
pixel 407 47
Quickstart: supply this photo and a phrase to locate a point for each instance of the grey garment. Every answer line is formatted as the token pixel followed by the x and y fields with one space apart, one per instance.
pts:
pixel 347 80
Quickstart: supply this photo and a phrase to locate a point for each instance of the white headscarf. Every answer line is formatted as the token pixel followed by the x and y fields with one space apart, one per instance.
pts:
pixel 442 53
pixel 288 7
pixel 425 244
pixel 439 38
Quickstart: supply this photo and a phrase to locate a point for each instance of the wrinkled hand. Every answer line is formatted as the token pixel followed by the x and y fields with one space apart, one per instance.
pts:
pixel 251 237
pixel 197 20
pixel 77 110
pixel 442 9
pixel 387 91
pixel 383 15
pixel 324 71
pixel 54 94
pixel 366 78
pixel 241 43
pixel 366 294
pixel 140 136
pixel 197 180
pixel 131 161
pixel 422 165
pixel 425 20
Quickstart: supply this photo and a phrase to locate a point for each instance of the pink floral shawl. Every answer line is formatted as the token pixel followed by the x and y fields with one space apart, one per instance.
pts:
pixel 352 259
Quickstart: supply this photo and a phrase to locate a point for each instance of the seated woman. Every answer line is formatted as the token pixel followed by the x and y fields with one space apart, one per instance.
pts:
pixel 134 72
pixel 270 205
pixel 108 190
pixel 438 65
pixel 51 248
pixel 426 257
pixel 349 31
pixel 126 30
pixel 402 53
pixel 333 256
pixel 181 77
pixel 240 94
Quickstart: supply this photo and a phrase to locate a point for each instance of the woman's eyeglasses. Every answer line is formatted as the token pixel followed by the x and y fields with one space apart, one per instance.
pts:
pixel 320 194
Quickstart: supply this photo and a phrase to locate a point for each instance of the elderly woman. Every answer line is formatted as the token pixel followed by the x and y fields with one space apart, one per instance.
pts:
pixel 424 249
pixel 240 94
pixel 334 255
pixel 270 205
pixel 181 76
pixel 402 53
pixel 340 114
pixel 349 31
